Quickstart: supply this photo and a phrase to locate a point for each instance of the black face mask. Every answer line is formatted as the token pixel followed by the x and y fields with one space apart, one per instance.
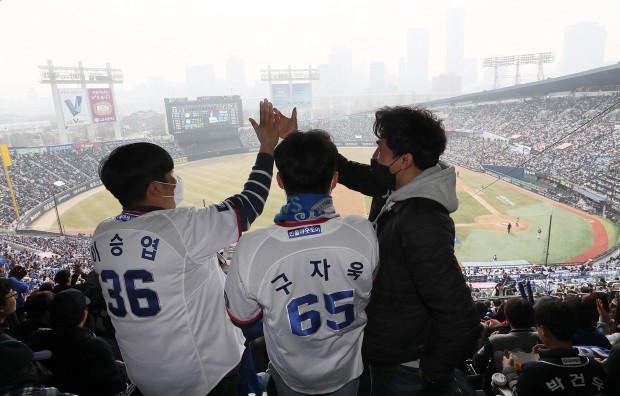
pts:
pixel 382 175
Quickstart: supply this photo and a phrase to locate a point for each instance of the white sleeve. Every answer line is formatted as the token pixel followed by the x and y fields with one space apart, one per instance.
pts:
pixel 242 308
pixel 204 231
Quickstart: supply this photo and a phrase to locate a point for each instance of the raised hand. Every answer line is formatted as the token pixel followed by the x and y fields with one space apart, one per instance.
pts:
pixel 18 272
pixel 601 308
pixel 286 125
pixel 267 130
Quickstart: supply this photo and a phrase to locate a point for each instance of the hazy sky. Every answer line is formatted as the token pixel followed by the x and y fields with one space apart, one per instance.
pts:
pixel 159 38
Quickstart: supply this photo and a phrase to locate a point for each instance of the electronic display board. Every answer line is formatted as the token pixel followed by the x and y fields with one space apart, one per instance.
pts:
pixel 204 113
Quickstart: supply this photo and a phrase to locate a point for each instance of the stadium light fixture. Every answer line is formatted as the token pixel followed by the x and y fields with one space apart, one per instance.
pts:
pixel 58 184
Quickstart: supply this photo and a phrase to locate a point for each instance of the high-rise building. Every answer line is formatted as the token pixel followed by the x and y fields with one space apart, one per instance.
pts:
pixel 340 71
pixel 235 75
pixel 378 78
pixel 417 59
pixel 455 48
pixel 584 47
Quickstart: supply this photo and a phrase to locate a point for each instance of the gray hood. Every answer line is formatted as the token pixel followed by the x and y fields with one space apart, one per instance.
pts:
pixel 437 183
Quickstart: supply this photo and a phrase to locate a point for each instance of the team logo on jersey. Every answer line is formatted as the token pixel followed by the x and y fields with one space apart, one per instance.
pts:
pixel 304 231
pixel 221 207
pixel 571 361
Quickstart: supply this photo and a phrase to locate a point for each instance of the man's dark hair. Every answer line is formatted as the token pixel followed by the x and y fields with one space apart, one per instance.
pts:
pixel 129 169
pixel 37 304
pixel 558 317
pixel 62 277
pixel 411 130
pixel 519 313
pixel 306 162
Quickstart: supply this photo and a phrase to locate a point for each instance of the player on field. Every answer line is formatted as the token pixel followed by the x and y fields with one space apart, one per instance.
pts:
pixel 159 271
pixel 308 276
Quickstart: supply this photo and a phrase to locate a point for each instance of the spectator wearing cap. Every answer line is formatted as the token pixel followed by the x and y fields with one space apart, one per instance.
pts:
pixel 81 363
pixel 8 305
pixel 20 371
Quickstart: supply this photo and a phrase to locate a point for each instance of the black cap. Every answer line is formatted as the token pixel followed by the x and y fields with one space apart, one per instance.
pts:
pixel 15 356
pixel 67 308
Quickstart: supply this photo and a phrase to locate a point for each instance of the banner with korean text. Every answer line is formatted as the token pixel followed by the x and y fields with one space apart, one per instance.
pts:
pixel 102 105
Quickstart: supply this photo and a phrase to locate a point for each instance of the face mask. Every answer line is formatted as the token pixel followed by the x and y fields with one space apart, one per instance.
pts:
pixel 382 175
pixel 178 190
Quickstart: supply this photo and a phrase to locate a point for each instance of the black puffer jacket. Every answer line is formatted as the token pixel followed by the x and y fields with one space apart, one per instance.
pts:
pixel 420 306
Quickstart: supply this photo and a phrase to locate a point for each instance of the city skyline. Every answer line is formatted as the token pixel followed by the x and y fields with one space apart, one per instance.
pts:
pixel 156 44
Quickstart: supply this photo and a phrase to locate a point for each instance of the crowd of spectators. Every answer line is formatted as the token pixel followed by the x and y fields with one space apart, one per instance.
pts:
pixel 516 342
pixel 532 123
pixel 558 136
pixel 553 136
pixel 43 258
pixel 33 175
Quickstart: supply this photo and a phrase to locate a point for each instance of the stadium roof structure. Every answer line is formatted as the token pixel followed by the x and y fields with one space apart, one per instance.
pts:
pixel 602 76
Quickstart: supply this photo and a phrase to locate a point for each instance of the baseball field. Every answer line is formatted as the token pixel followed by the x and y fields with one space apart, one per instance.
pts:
pixel 486 207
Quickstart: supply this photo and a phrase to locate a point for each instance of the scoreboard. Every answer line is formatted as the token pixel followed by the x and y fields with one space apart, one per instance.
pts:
pixel 205 113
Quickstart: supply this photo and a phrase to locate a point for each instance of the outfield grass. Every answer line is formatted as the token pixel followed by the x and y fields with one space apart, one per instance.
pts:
pixel 215 179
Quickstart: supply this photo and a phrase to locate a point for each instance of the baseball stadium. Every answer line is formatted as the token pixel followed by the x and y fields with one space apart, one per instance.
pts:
pixel 536 176
pixel 536 164
pixel 527 156
pixel 562 182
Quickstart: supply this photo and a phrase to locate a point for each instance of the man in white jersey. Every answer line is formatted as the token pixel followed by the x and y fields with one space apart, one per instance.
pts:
pixel 159 270
pixel 308 276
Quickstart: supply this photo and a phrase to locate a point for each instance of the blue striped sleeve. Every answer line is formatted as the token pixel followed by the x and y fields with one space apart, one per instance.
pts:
pixel 250 203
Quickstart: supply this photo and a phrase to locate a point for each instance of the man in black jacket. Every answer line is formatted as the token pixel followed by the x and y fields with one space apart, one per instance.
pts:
pixel 421 318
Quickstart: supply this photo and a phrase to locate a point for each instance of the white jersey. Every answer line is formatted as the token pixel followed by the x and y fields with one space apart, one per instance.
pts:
pixel 164 291
pixel 311 282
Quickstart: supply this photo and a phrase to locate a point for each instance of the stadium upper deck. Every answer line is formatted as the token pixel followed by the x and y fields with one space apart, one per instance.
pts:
pixel 511 128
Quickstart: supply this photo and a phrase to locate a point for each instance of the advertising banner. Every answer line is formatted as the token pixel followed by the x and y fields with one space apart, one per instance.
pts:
pixel 74 106
pixel 302 94
pixel 101 105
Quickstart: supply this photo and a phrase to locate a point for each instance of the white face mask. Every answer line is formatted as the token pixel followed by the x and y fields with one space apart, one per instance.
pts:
pixel 178 190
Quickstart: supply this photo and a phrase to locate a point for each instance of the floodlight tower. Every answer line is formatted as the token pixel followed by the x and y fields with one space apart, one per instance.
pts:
pixel 288 76
pixel 517 61
pixel 102 101
pixel 496 62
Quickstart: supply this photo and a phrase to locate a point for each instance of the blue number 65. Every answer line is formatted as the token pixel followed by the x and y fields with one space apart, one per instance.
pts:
pixel 297 319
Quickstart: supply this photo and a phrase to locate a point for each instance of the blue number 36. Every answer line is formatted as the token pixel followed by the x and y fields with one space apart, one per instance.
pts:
pixel 296 318
pixel 133 295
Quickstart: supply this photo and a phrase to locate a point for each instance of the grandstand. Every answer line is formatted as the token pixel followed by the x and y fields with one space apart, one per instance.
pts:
pixel 557 137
